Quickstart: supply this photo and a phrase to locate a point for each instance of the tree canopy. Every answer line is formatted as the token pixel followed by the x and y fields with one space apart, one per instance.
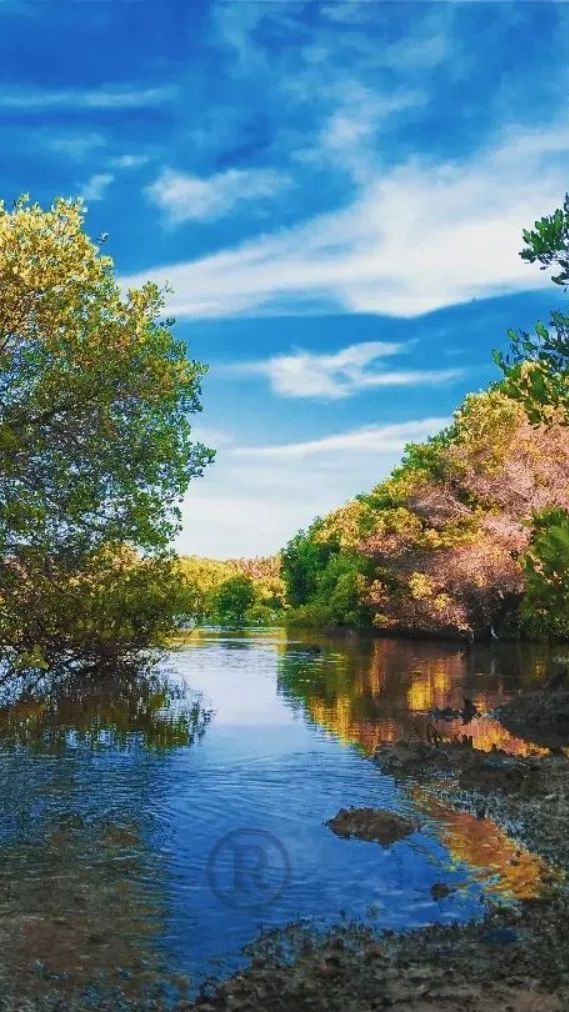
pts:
pixel 95 400
pixel 537 366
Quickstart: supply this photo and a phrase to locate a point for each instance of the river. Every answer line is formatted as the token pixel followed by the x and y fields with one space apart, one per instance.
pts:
pixel 149 829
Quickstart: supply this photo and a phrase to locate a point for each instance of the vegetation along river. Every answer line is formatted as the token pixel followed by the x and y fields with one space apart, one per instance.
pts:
pixel 150 829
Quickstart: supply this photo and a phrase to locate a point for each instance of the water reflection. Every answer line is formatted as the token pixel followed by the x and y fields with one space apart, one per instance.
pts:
pixel 148 709
pixel 382 691
pixel 370 693
pixel 510 870
pixel 114 792
pixel 82 879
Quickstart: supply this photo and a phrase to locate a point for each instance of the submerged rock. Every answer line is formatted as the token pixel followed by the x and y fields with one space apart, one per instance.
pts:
pixel 440 890
pixel 374 824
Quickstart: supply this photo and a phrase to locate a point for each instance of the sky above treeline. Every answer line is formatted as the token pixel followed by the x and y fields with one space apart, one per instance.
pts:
pixel 335 192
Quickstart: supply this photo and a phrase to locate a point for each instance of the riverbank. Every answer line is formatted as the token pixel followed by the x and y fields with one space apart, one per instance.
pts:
pixel 516 957
pixel 87 901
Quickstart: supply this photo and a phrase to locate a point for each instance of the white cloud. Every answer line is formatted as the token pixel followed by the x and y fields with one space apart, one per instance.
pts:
pixel 420 52
pixel 253 499
pixel 419 237
pixel 97 98
pixel 95 187
pixel 191 198
pixel 368 439
pixel 304 374
pixel 129 161
pixel 349 137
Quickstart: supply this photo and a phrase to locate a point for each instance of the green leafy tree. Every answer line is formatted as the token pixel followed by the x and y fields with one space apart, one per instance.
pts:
pixel 546 601
pixel 303 559
pixel 205 576
pixel 537 366
pixel 233 599
pixel 95 439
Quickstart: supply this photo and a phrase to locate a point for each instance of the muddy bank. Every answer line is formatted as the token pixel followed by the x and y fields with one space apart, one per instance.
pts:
pixel 510 961
pixel 541 717
pixel 526 796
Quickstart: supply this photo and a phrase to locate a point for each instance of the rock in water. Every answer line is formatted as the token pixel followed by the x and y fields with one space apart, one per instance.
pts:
pixel 440 890
pixel 374 824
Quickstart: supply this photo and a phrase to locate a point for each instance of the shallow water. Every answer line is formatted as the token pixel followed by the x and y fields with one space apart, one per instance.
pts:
pixel 157 826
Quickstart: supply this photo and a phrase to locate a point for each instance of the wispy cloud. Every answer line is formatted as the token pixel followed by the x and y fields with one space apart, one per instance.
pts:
pixel 368 439
pixel 129 161
pixel 348 139
pixel 305 374
pixel 421 236
pixel 96 98
pixel 249 501
pixel 191 198
pixel 76 145
pixel 96 187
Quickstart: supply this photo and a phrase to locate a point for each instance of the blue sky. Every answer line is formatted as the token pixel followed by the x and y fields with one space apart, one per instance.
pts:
pixel 335 191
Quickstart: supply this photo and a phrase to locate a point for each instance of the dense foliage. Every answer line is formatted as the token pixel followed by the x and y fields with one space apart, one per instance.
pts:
pixel 537 368
pixel 234 592
pixel 95 445
pixel 546 602
pixel 439 546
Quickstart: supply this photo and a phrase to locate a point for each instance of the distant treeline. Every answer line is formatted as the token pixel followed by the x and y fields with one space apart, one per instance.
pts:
pixel 234 592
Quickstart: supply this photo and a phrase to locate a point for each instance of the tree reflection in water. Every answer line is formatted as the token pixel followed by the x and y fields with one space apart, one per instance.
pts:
pixel 382 691
pixel 82 896
pixel 369 693
pixel 142 708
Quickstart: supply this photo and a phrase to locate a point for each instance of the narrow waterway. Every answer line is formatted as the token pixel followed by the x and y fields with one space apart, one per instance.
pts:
pixel 152 828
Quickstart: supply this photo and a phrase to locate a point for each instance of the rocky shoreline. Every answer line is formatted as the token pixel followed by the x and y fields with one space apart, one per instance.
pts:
pixel 516 957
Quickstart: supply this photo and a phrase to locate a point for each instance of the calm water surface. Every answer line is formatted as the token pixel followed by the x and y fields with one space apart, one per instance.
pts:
pixel 156 826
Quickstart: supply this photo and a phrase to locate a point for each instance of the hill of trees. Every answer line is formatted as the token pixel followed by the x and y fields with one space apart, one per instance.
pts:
pixel 444 545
